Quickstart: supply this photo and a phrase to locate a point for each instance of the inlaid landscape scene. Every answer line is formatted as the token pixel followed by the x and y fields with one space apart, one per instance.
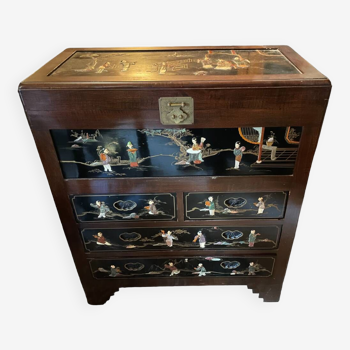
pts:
pixel 200 238
pixel 144 65
pixel 109 153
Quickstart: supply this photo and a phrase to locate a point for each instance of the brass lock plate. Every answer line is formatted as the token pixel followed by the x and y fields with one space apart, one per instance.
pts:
pixel 176 110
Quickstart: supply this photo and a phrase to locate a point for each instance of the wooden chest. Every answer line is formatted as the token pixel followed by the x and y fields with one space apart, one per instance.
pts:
pixel 177 166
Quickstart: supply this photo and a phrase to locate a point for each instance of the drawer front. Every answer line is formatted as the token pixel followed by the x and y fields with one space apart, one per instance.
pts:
pixel 182 267
pixel 193 237
pixel 228 206
pixel 126 207
pixel 116 153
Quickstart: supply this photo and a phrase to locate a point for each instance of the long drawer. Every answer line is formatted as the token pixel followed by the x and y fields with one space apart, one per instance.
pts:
pixel 203 238
pixel 181 267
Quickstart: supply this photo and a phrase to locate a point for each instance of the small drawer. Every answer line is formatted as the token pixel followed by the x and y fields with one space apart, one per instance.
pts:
pixel 180 238
pixel 228 206
pixel 180 267
pixel 125 207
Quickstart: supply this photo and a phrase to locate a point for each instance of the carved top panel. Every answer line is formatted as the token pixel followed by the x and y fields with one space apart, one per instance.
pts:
pixel 150 65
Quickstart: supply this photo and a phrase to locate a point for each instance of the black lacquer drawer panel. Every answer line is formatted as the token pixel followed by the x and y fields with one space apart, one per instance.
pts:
pixel 228 206
pixel 112 153
pixel 179 238
pixel 181 267
pixel 125 207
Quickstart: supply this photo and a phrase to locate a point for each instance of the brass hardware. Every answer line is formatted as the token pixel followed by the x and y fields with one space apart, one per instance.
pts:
pixel 182 104
pixel 176 110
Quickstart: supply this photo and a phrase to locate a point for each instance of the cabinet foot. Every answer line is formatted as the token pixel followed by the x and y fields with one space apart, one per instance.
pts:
pixel 267 293
pixel 100 296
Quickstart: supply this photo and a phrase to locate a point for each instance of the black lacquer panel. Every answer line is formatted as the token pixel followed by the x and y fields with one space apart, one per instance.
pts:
pixel 180 267
pixel 125 207
pixel 200 237
pixel 177 152
pixel 227 206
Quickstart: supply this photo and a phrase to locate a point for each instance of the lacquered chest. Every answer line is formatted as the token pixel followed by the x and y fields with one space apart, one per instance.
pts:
pixel 177 166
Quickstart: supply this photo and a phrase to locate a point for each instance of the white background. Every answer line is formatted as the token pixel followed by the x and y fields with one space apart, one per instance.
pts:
pixel 42 302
